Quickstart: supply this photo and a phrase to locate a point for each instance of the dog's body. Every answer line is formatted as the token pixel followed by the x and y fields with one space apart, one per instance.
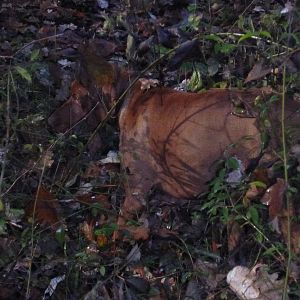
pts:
pixel 173 139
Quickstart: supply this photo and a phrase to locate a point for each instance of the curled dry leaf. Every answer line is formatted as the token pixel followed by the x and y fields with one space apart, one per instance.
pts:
pixel 255 283
pixel 88 230
pixel 146 84
pixel 260 175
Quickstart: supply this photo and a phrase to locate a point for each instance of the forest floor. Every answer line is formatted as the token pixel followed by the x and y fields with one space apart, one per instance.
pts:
pixel 60 193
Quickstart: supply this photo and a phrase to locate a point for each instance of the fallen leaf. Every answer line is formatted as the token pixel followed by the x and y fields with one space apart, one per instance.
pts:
pixel 91 198
pixel 295 234
pixel 258 71
pixel 74 109
pixel 234 235
pixel 212 276
pixel 273 197
pixel 88 230
pixel 45 208
pixel 255 283
pixel 53 285
pixel 102 240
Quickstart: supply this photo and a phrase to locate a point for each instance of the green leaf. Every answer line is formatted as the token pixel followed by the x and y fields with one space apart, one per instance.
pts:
pixel 232 163
pixel 107 229
pixel 224 48
pixel 246 36
pixel 24 73
pixel 265 34
pixel 259 184
pixel 195 83
pixel 213 37
pixel 3 226
pixel 102 271
pixel 212 66
pixel 252 214
pixel 225 214
pixel 60 236
pixel 34 54
pixel 253 34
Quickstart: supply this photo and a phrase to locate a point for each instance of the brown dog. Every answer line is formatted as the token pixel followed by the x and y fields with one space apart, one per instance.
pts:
pixel 173 139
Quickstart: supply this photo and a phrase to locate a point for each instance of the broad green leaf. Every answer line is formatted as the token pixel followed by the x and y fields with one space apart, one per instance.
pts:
pixel 24 73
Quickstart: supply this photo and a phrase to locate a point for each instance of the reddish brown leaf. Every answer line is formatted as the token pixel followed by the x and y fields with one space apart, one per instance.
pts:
pixel 45 208
pixel 71 111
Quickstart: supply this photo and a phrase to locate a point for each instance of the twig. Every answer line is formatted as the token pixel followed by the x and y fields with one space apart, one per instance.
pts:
pixel 7 134
pixel 286 179
pixel 29 44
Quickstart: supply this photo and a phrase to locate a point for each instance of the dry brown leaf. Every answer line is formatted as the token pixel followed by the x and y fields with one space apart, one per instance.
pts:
pixel 252 192
pixel 212 274
pixel 93 170
pixel 255 284
pixel 295 234
pixel 165 233
pixel 273 197
pixel 234 235
pixel 138 232
pixel 91 198
pixel 46 207
pixel 88 230
pixel 73 110
pixel 258 71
